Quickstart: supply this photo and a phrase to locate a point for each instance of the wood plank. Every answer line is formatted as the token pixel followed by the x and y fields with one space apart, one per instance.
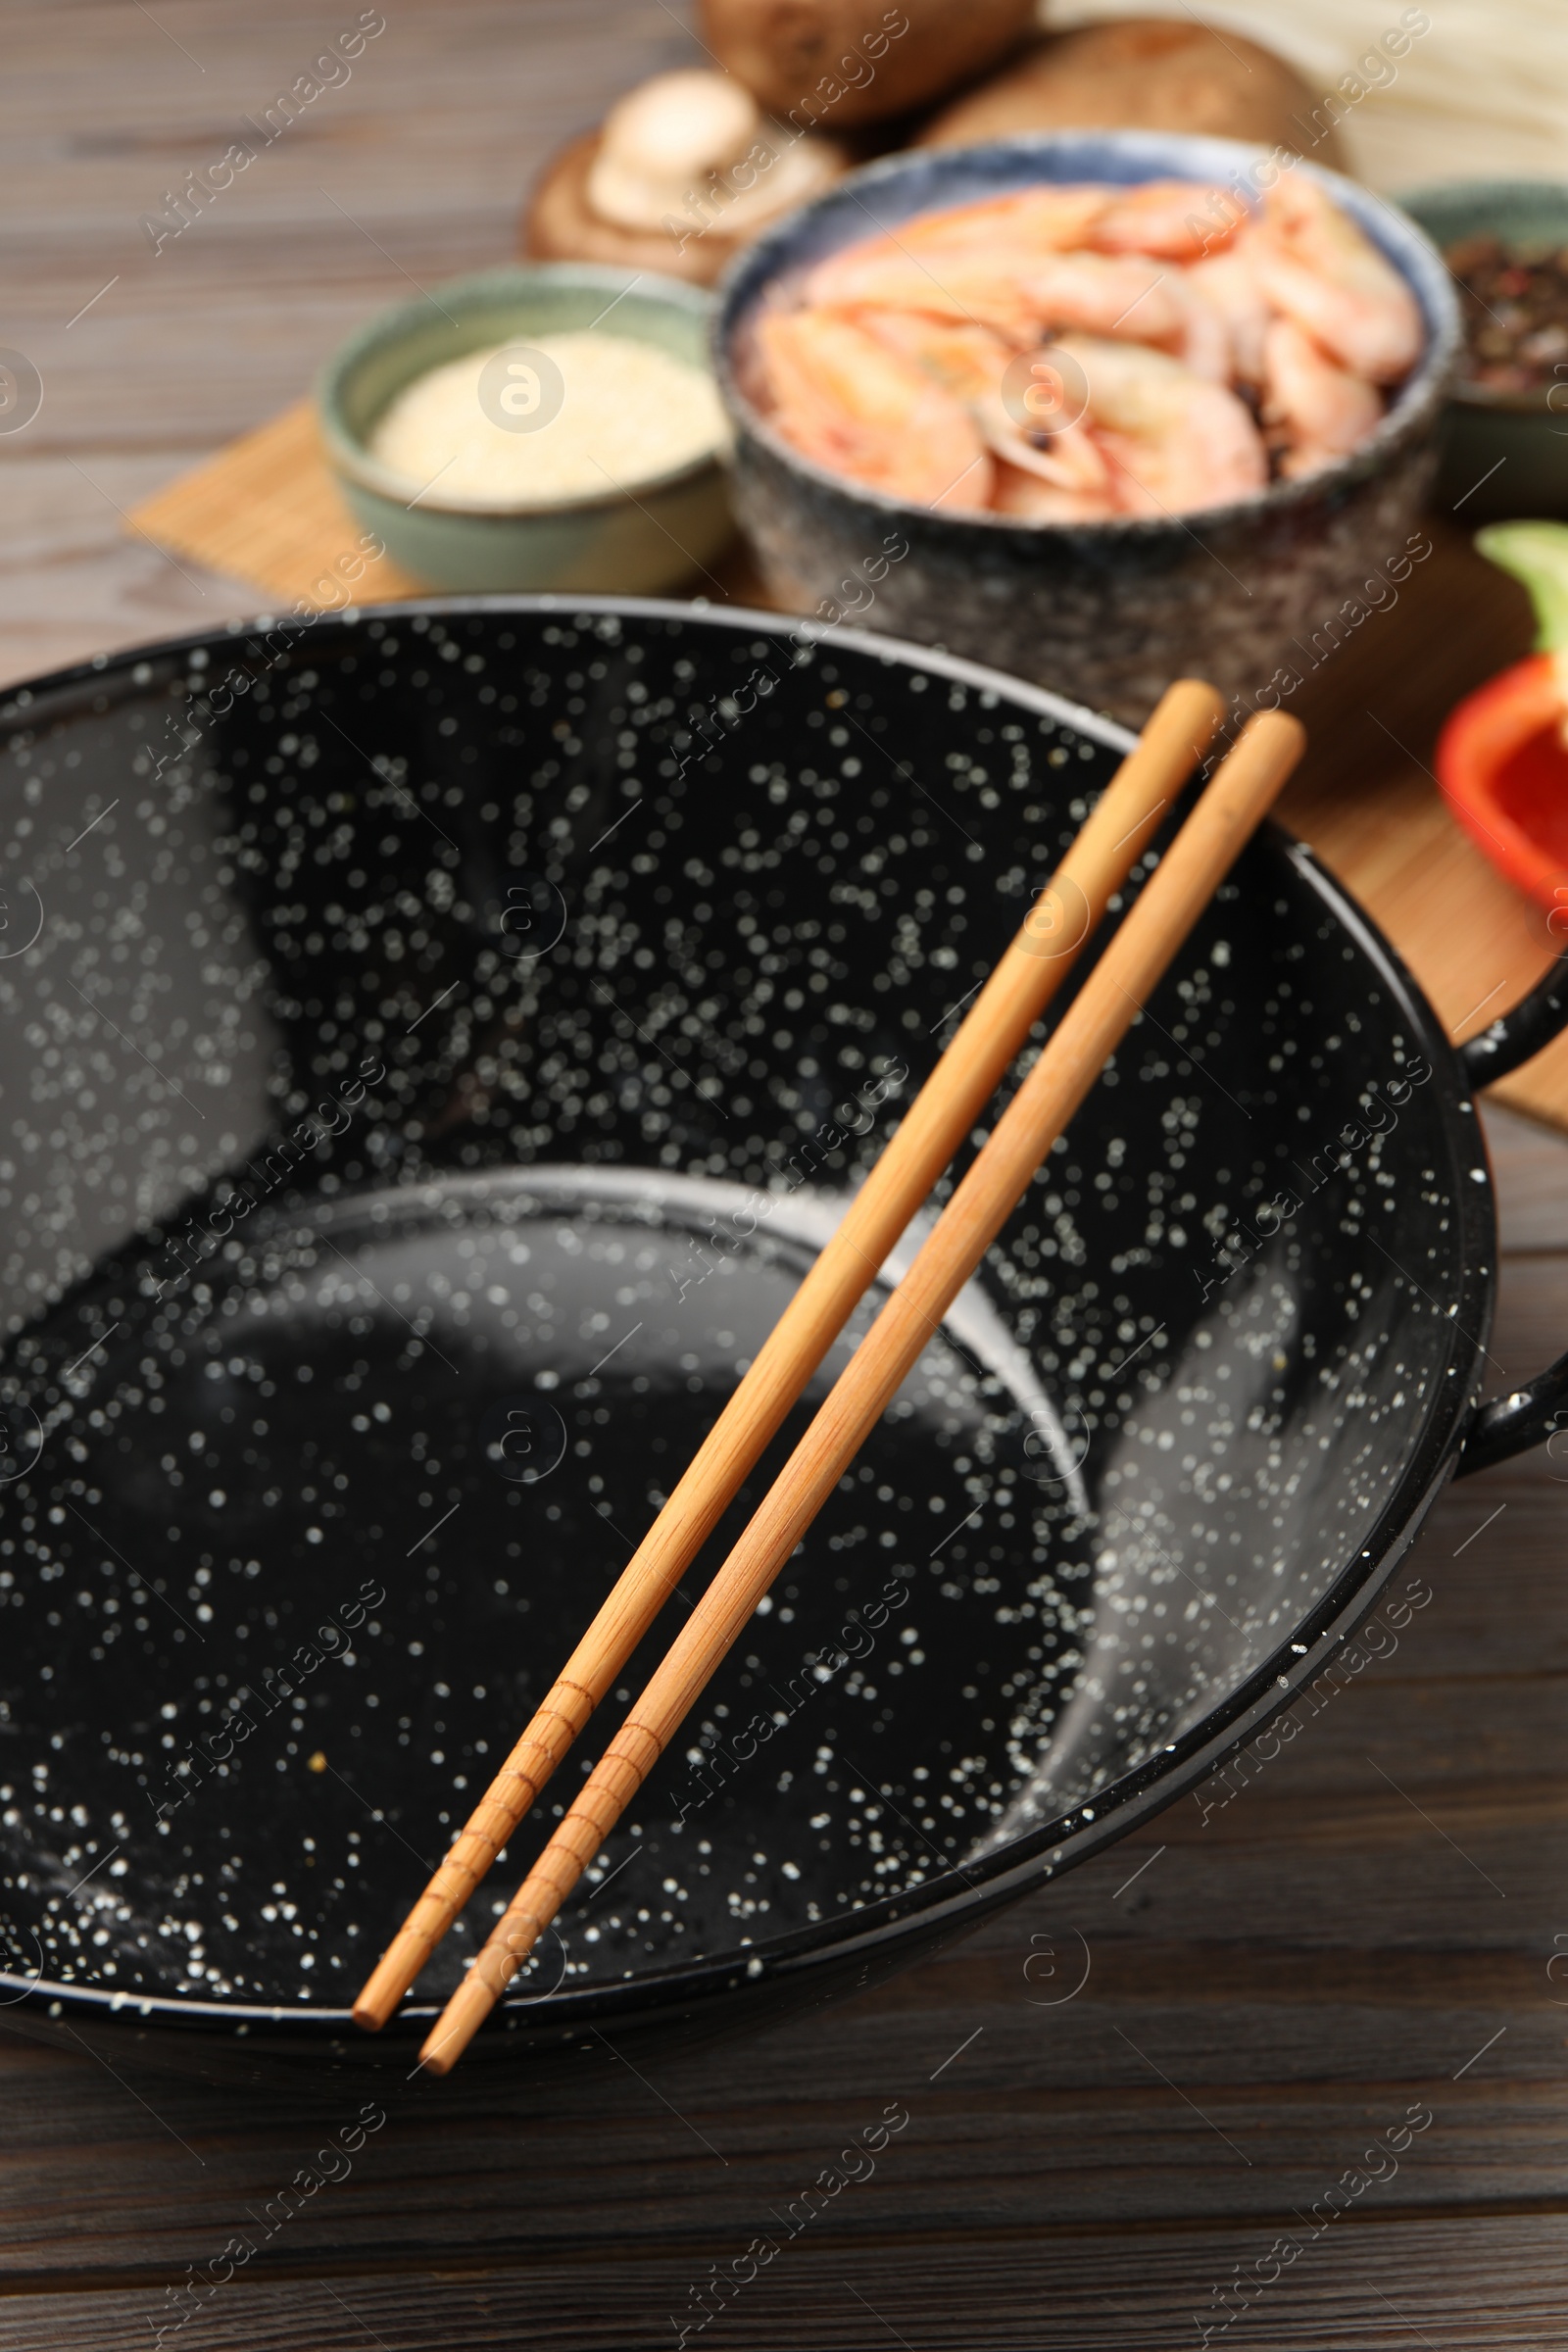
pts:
pixel 1378 2287
pixel 1535 1199
pixel 427 150
pixel 73 578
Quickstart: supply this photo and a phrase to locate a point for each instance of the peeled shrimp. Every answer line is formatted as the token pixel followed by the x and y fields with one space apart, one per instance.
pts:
pixel 847 402
pixel 1316 265
pixel 1321 411
pixel 1174 440
pixel 1179 219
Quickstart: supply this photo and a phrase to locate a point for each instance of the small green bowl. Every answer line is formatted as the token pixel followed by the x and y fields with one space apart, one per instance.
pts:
pixel 617 544
pixel 1502 453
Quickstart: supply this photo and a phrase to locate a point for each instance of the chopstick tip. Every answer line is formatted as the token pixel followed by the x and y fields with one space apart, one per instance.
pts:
pixel 1199 687
pixel 1279 740
pixel 378 1997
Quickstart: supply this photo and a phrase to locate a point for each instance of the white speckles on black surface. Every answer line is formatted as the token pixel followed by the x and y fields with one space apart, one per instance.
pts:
pixel 476 1231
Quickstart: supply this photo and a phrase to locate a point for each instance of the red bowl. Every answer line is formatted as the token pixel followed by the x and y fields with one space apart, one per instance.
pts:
pixel 1504 767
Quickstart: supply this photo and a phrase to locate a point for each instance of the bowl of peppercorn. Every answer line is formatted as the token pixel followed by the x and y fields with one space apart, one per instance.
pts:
pixel 1504 441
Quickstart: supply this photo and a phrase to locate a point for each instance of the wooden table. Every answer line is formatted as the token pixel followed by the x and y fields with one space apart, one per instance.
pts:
pixel 1367 1926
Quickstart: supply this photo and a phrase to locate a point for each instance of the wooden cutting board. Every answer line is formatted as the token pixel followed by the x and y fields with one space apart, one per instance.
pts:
pixel 266 510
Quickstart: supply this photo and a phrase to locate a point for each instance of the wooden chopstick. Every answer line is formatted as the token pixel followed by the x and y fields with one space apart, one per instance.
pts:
pixel 1109 1000
pixel 964 1081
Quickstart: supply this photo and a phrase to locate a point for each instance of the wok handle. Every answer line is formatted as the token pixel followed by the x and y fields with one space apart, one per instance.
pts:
pixel 1533 1414
pixel 1511 1424
pixel 1515 1036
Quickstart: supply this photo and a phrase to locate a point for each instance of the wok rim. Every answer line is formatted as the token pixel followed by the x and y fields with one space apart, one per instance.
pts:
pixel 959 1897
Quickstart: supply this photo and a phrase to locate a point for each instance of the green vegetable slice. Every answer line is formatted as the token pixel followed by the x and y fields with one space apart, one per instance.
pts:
pixel 1535 553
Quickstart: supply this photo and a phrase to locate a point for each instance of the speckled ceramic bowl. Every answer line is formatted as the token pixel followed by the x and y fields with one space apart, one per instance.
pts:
pixel 1109 612
pixel 430 1065
pixel 632 540
pixel 1501 452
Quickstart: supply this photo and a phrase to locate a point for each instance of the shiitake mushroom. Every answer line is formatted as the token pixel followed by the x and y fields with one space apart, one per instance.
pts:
pixel 843 62
pixel 1145 74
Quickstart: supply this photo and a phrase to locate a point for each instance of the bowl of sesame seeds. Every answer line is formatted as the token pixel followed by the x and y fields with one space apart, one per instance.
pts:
pixel 553 426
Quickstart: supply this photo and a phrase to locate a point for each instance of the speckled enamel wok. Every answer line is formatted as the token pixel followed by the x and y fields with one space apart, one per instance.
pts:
pixel 434 1040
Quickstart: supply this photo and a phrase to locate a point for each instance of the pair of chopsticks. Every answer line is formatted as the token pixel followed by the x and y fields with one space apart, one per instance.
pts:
pixel 935 1127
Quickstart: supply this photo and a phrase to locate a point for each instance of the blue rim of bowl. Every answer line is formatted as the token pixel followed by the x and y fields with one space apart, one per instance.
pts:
pixel 351 458
pixel 1462 391
pixel 743 285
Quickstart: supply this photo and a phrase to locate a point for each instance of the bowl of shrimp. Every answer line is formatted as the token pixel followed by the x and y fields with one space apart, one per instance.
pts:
pixel 1099 408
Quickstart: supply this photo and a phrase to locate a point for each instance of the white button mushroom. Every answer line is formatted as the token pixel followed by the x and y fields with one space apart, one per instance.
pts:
pixel 699 133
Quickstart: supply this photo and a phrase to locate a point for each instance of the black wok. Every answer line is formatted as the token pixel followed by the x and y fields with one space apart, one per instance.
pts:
pixel 435 1040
